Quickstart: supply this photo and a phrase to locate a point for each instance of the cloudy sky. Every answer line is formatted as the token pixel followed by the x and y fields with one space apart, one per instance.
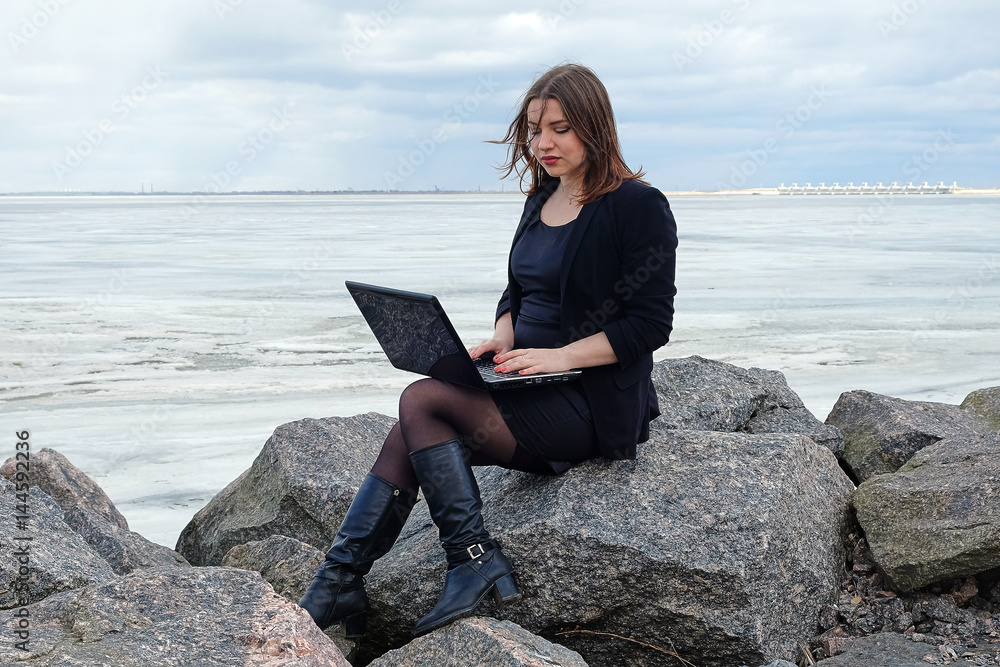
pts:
pixel 194 95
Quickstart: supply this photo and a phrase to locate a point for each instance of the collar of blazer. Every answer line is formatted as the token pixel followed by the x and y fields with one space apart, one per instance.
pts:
pixel 576 233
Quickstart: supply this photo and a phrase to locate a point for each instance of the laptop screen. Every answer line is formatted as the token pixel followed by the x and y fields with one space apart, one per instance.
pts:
pixel 410 331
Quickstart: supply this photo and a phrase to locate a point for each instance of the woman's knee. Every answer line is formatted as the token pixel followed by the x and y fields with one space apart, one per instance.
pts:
pixel 420 397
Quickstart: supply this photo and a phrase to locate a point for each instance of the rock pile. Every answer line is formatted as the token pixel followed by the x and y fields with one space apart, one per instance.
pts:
pixel 300 485
pixel 925 556
pixel 206 616
pixel 723 544
pixel 953 619
pixel 618 560
pixel 883 432
pixel 78 588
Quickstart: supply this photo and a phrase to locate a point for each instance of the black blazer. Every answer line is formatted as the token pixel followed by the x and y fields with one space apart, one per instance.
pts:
pixel 617 277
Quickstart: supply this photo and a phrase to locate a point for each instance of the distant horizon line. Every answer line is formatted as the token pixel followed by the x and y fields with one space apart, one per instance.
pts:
pixel 954 189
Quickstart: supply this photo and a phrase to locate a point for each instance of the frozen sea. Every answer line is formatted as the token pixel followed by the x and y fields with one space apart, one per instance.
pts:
pixel 157 341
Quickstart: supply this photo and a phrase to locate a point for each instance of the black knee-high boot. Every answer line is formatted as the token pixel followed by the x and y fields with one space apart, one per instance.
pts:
pixel 476 566
pixel 373 522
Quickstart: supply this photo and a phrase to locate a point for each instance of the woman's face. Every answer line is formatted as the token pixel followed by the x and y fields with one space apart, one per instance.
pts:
pixel 553 142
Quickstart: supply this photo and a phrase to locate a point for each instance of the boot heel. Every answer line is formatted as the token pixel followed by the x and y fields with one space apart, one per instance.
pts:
pixel 355 626
pixel 505 590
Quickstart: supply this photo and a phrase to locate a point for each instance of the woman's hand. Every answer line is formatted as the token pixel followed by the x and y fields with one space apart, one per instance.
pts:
pixel 591 351
pixel 502 341
pixel 492 345
pixel 533 360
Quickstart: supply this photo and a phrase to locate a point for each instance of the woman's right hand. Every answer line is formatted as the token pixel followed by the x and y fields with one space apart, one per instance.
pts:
pixel 487 346
pixel 502 341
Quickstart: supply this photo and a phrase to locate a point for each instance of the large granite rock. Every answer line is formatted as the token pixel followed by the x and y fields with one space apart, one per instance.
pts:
pixel 892 650
pixel 123 550
pixel 164 617
pixel 937 517
pixel 288 565
pixel 986 404
pixel 284 562
pixel 66 484
pixel 705 395
pixel 723 547
pixel 491 642
pixel 40 555
pixel 881 433
pixel 300 486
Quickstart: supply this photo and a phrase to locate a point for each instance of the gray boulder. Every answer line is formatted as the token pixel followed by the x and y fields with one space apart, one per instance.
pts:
pixel 892 650
pixel 705 395
pixel 284 562
pixel 938 517
pixel 69 486
pixel 40 555
pixel 123 550
pixel 881 433
pixel 300 486
pixel 491 642
pixel 174 617
pixel 721 547
pixel 986 404
pixel 288 565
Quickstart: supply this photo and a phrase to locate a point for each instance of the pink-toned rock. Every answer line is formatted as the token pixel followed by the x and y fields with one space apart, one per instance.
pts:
pixel 173 617
pixel 492 642
pixel 69 486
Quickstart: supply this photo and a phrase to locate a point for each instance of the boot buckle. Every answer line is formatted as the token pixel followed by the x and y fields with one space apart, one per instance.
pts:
pixel 472 554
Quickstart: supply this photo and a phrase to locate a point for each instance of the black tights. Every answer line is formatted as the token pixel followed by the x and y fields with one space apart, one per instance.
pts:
pixel 432 412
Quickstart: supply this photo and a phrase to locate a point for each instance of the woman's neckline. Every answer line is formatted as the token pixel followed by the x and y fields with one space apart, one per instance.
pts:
pixel 562 224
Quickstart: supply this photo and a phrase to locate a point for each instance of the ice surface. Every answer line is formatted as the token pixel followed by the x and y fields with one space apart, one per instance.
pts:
pixel 158 341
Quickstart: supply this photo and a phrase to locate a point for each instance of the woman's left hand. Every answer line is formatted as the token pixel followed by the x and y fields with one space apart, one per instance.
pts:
pixel 533 360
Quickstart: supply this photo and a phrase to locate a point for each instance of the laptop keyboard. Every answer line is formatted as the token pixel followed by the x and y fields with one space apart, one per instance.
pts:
pixel 486 367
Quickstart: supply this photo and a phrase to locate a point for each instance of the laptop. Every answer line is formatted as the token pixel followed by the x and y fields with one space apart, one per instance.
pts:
pixel 417 336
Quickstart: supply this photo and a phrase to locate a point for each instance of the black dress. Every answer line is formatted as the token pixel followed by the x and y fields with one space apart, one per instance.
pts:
pixel 553 422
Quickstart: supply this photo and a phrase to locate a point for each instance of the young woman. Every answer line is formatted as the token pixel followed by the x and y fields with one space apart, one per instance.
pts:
pixel 590 286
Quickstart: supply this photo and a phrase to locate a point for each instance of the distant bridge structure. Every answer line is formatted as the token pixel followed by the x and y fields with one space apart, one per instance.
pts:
pixel 865 189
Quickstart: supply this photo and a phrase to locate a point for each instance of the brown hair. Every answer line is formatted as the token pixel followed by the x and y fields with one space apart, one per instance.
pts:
pixel 586 106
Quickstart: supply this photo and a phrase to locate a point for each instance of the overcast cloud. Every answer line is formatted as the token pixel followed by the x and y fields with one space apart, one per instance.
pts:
pixel 257 95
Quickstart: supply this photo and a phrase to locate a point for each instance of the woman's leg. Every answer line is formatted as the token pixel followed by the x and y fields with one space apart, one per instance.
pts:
pixel 369 529
pixel 470 428
pixel 432 412
pixel 393 462
pixel 447 428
